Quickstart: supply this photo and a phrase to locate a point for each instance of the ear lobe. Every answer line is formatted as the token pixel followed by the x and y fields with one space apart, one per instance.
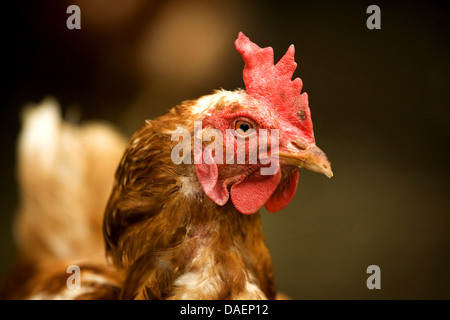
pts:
pixel 208 175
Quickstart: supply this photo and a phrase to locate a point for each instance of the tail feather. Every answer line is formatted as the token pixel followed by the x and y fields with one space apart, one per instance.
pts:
pixel 65 174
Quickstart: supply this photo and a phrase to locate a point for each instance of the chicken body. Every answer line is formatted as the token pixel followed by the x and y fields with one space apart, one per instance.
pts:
pixel 175 242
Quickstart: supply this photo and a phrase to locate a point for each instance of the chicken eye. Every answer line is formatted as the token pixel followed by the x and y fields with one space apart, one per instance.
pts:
pixel 243 127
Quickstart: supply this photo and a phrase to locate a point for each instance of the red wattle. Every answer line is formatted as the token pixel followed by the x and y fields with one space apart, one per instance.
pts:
pixel 249 195
pixel 284 193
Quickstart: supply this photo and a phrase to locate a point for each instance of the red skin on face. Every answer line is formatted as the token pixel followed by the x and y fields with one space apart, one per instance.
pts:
pixel 272 101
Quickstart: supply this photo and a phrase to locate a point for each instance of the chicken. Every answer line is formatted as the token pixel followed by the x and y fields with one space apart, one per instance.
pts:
pixel 182 220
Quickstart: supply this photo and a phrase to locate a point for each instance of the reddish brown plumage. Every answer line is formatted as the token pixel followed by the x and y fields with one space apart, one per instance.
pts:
pixel 154 231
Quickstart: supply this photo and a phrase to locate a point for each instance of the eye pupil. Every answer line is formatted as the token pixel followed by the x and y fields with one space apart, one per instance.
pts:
pixel 244 127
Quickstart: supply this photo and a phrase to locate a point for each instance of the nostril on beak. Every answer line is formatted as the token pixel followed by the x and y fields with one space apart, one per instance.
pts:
pixel 300 144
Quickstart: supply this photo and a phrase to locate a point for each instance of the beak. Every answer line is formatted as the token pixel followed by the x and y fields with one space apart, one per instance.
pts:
pixel 307 156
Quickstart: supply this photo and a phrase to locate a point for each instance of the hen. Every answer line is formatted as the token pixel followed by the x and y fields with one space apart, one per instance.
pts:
pixel 182 219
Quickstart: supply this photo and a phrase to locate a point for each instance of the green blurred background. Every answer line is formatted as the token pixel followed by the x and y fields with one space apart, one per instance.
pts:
pixel 380 103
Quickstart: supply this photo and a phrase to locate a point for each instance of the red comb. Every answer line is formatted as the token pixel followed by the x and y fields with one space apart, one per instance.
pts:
pixel 272 83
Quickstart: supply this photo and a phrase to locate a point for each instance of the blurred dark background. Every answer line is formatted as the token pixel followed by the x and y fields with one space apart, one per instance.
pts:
pixel 380 102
